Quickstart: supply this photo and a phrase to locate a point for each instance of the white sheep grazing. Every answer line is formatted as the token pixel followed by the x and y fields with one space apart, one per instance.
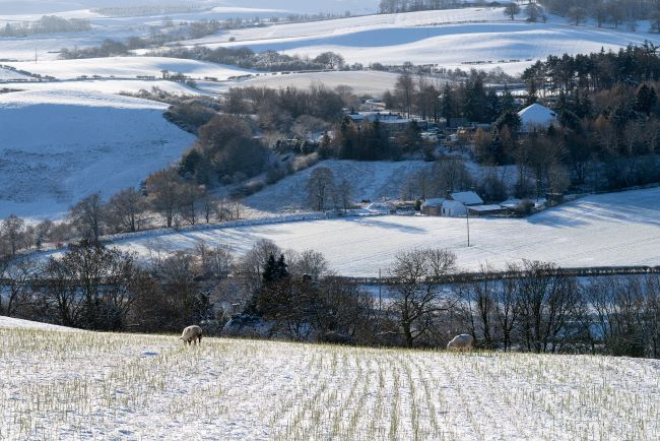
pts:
pixel 462 342
pixel 192 334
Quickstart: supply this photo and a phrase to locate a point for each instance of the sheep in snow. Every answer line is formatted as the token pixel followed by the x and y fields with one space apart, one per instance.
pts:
pixel 192 334
pixel 462 342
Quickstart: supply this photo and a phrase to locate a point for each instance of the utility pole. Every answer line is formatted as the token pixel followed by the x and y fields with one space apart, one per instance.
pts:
pixel 467 219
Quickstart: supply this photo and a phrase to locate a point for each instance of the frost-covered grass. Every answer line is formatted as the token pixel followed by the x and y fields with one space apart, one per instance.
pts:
pixel 82 385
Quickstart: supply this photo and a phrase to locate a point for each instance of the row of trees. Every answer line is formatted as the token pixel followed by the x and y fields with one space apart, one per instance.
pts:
pixel 48 24
pixel 615 12
pixel 394 6
pixel 167 196
pixel 540 311
pixel 429 99
pixel 295 295
pixel 593 72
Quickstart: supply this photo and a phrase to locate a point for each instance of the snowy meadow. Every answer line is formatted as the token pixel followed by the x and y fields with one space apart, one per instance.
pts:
pixel 112 386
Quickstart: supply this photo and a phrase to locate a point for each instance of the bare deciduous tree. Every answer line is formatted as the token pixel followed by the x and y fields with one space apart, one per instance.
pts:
pixel 320 188
pixel 126 209
pixel 415 290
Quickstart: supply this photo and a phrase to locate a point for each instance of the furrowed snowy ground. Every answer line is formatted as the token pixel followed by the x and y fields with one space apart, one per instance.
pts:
pixel 83 385
pixel 59 146
pixel 604 230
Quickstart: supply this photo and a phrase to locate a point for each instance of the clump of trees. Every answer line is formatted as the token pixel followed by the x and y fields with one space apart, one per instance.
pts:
pixel 614 12
pixel 226 151
pixel 48 24
pixel 325 191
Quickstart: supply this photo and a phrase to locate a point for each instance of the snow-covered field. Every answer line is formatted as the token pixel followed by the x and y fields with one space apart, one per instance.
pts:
pixel 123 386
pixel 447 38
pixel 363 82
pixel 128 67
pixel 59 146
pixel 104 86
pixel 603 230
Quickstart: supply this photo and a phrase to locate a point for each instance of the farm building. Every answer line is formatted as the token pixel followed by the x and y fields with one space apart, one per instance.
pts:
pixel 468 198
pixel 486 210
pixel 453 209
pixel 433 207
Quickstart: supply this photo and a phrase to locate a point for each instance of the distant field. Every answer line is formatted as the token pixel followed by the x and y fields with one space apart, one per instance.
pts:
pixel 605 230
pixel 363 82
pixel 128 67
pixel 83 385
pixel 448 38
pixel 107 86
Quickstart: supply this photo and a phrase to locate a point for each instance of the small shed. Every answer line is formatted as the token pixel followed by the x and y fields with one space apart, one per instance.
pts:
pixel 433 207
pixel 485 210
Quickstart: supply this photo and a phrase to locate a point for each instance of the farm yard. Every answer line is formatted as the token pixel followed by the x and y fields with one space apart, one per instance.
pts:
pixel 153 387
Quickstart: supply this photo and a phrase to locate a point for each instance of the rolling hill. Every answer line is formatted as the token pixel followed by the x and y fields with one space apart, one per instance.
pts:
pixel 59 146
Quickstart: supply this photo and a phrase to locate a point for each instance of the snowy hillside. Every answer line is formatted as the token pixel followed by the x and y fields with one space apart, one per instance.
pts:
pixel 610 229
pixel 124 386
pixel 447 38
pixel 128 67
pixel 374 181
pixel 59 146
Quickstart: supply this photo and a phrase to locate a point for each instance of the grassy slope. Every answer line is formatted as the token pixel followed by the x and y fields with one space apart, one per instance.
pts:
pixel 99 386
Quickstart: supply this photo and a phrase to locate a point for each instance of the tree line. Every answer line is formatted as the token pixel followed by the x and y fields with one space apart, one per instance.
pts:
pixel 166 200
pixel 48 24
pixel 296 296
pixel 615 12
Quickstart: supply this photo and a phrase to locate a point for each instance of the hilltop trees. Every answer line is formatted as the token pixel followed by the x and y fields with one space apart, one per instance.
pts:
pixel 511 10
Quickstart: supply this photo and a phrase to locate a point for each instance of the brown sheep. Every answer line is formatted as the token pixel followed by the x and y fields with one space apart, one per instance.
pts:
pixel 192 334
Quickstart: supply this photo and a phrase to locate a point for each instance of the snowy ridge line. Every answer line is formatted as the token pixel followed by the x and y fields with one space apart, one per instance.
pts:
pixel 465 277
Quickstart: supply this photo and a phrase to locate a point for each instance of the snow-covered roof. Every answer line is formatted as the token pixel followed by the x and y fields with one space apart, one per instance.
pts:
pixel 537 115
pixel 434 202
pixel 485 208
pixel 511 203
pixel 467 198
